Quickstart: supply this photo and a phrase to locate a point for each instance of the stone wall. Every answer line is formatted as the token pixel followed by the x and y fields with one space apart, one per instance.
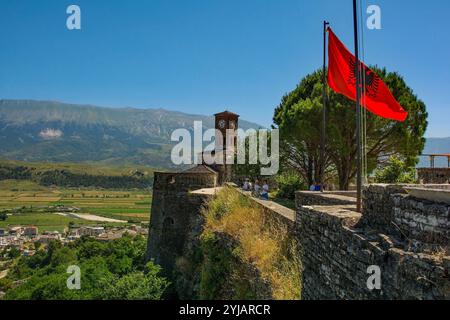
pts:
pixel 276 211
pixel 378 206
pixel 434 175
pixel 175 220
pixel 421 220
pixel 407 238
pixel 339 245
pixel 307 198
pixel 388 209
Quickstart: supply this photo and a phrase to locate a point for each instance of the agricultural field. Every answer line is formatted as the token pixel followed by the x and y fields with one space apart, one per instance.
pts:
pixel 93 168
pixel 129 206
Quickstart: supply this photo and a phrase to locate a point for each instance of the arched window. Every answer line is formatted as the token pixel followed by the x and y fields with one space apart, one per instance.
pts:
pixel 168 223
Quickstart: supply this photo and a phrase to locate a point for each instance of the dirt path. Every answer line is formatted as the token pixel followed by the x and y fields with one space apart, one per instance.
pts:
pixel 90 217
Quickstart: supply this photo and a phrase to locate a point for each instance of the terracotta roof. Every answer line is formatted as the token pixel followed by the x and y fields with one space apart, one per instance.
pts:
pixel 226 112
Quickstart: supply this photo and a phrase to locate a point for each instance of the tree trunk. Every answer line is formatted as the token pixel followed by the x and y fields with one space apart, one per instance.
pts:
pixel 310 172
pixel 344 175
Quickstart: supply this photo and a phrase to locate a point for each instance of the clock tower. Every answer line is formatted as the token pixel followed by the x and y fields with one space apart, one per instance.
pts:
pixel 226 121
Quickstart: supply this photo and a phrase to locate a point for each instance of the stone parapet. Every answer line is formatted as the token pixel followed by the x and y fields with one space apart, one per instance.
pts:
pixel 434 175
pixel 309 198
pixel 336 256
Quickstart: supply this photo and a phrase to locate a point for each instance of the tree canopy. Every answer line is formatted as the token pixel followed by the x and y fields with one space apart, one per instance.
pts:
pixel 109 271
pixel 299 118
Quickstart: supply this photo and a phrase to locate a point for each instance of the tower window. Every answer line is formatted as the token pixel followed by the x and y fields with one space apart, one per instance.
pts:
pixel 168 222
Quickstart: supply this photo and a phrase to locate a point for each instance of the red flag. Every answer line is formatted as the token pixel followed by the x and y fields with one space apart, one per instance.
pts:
pixel 375 95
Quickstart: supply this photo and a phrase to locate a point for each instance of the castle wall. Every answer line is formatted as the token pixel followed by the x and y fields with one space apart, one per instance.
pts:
pixel 306 198
pixel 378 206
pixel 339 245
pixel 175 215
pixel 407 238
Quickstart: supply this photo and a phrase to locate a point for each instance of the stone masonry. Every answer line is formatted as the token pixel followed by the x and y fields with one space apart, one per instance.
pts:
pixel 434 175
pixel 406 238
pixel 176 220
pixel 306 198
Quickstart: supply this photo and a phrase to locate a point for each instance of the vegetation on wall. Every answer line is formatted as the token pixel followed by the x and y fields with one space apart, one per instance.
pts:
pixel 244 253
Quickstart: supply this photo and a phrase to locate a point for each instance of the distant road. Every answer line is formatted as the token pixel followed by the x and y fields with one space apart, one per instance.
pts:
pixel 90 217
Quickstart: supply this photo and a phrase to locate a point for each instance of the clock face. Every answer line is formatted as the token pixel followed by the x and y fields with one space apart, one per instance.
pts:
pixel 222 124
pixel 232 125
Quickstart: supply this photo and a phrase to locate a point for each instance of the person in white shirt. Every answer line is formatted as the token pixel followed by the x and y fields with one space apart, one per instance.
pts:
pixel 246 186
pixel 256 188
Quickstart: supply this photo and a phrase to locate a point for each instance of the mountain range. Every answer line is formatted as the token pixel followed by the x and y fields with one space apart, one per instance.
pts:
pixel 60 132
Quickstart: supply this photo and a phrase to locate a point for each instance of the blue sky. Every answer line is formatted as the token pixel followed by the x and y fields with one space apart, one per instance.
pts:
pixel 202 56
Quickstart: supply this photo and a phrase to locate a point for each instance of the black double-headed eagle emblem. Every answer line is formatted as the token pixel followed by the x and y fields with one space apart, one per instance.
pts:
pixel 369 79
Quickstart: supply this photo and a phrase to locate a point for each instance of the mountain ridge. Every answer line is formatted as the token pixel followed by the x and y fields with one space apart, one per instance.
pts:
pixel 34 130
pixel 39 130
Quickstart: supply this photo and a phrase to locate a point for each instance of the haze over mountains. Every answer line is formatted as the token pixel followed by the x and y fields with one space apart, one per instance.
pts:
pixel 59 132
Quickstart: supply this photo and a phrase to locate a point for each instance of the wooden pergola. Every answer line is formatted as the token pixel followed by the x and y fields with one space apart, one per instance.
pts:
pixel 434 156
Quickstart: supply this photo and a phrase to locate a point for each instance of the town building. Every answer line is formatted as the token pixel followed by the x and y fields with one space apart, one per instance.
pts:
pixel 15 231
pixel 30 231
pixel 11 241
pixel 47 238
pixel 28 253
pixel 91 231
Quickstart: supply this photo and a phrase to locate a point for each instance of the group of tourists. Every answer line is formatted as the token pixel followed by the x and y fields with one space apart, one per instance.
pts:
pixel 316 187
pixel 257 190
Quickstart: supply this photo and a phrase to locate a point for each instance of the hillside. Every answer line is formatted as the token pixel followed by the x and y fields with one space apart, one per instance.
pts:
pixel 77 175
pixel 59 132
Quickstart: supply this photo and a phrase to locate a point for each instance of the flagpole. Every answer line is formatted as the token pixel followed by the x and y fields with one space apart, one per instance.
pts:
pixel 358 110
pixel 324 112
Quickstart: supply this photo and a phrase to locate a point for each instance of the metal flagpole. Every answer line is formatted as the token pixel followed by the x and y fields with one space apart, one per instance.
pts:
pixel 358 110
pixel 324 113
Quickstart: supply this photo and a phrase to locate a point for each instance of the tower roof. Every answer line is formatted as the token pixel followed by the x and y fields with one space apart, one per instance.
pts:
pixel 226 112
pixel 201 168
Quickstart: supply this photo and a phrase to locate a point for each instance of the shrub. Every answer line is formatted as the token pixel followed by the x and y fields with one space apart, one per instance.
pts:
pixel 288 184
pixel 396 171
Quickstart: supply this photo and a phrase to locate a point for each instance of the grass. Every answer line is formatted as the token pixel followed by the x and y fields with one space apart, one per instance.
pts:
pixel 44 221
pixel 128 205
pixel 19 185
pixel 263 243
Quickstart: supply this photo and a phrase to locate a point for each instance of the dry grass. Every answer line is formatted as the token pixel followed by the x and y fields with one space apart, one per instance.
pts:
pixel 263 241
